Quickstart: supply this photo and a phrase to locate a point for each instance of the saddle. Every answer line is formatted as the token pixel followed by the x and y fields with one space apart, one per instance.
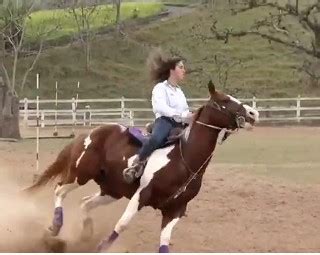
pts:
pixel 141 137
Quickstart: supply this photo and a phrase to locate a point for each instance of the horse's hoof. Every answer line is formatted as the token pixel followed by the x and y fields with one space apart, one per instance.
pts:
pixel 54 244
pixel 87 229
pixel 54 230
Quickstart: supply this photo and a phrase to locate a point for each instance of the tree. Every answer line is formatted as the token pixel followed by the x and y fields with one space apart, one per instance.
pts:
pixel 274 28
pixel 117 3
pixel 14 17
pixel 84 16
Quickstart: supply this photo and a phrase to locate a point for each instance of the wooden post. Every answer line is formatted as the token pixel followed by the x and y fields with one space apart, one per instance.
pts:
pixel 87 120
pixel 25 115
pixel 298 109
pixel 131 116
pixel 122 107
pixel 74 118
pixel 42 119
pixel 254 103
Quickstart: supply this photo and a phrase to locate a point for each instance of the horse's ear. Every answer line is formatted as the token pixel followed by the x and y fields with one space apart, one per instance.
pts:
pixel 211 87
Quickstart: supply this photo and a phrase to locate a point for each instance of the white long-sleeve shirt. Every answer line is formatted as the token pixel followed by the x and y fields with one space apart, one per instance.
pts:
pixel 169 101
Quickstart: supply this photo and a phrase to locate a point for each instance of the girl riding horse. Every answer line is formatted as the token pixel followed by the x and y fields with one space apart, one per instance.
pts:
pixel 169 105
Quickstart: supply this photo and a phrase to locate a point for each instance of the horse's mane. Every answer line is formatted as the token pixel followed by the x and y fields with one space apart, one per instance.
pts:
pixel 196 115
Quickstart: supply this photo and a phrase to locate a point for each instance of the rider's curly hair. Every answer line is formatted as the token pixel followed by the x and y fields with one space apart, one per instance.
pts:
pixel 160 65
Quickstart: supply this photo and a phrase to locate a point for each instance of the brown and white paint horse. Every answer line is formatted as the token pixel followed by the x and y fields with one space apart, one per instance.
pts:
pixel 172 176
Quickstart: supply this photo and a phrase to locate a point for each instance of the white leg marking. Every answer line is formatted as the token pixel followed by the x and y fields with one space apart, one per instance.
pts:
pixel 166 232
pixel 91 202
pixel 61 191
pixel 86 144
pixel 131 210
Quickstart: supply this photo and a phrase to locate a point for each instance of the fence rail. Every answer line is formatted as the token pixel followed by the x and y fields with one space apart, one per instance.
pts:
pixel 137 111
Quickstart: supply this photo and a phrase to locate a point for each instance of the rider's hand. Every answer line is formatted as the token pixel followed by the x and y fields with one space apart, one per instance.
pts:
pixel 186 117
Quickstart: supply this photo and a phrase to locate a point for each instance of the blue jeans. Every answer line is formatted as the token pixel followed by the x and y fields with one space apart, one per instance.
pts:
pixel 160 132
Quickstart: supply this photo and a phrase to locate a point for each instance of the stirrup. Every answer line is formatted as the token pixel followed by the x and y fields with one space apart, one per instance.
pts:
pixel 132 173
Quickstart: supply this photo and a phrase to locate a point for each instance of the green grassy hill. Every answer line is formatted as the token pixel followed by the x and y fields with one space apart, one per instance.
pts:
pixel 118 66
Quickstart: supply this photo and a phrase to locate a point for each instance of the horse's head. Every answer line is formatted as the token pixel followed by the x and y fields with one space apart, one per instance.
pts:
pixel 225 111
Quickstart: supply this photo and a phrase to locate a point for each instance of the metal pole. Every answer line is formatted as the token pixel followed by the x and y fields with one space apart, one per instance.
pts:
pixel 38 130
pixel 55 132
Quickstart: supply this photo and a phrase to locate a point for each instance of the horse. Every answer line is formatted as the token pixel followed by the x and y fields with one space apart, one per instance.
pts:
pixel 172 175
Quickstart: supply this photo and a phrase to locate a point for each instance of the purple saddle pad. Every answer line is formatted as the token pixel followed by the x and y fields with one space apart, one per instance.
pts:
pixel 138 135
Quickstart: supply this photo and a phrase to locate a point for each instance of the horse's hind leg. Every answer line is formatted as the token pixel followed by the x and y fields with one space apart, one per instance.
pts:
pixel 60 194
pixel 89 203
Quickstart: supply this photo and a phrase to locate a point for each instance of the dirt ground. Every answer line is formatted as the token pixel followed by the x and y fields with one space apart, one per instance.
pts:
pixel 239 209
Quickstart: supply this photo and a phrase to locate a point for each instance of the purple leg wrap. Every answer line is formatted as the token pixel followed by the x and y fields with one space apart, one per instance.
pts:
pixel 106 243
pixel 164 249
pixel 58 217
pixel 113 236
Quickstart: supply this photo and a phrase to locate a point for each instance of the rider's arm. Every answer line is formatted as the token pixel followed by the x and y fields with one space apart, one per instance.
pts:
pixel 159 102
pixel 186 115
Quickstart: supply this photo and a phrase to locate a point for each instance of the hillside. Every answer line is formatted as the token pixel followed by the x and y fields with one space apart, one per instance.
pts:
pixel 118 66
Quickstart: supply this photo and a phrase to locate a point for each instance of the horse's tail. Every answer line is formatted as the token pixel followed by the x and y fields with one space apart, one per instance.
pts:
pixel 58 168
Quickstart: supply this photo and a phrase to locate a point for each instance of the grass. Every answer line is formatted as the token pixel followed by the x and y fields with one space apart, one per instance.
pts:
pixel 104 15
pixel 275 152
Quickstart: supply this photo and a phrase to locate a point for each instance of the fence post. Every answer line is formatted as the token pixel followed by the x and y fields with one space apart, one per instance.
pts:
pixel 25 116
pixel 87 116
pixel 122 107
pixel 42 119
pixel 298 108
pixel 131 117
pixel 74 116
pixel 254 103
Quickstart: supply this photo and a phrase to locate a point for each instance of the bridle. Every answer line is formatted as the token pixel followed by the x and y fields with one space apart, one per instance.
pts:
pixel 239 120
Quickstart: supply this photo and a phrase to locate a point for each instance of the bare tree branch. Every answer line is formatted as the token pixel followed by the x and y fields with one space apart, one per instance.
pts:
pixel 32 66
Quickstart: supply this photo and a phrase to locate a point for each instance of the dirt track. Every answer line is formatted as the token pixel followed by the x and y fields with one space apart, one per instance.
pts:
pixel 236 211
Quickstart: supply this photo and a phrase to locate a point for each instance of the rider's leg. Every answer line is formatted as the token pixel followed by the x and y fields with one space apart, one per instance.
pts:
pixel 160 132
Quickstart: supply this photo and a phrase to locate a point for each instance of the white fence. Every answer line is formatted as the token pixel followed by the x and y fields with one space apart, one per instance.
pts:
pixel 138 111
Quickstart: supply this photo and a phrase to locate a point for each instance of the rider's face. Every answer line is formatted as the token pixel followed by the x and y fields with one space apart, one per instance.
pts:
pixel 179 71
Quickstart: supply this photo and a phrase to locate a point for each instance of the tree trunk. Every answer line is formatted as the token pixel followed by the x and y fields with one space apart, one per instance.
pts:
pixel 9 113
pixel 118 6
pixel 88 53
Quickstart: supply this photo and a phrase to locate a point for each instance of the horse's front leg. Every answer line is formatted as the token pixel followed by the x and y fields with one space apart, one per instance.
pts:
pixel 132 208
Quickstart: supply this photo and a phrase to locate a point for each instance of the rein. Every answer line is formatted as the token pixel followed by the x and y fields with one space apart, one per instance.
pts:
pixel 220 139
pixel 193 175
